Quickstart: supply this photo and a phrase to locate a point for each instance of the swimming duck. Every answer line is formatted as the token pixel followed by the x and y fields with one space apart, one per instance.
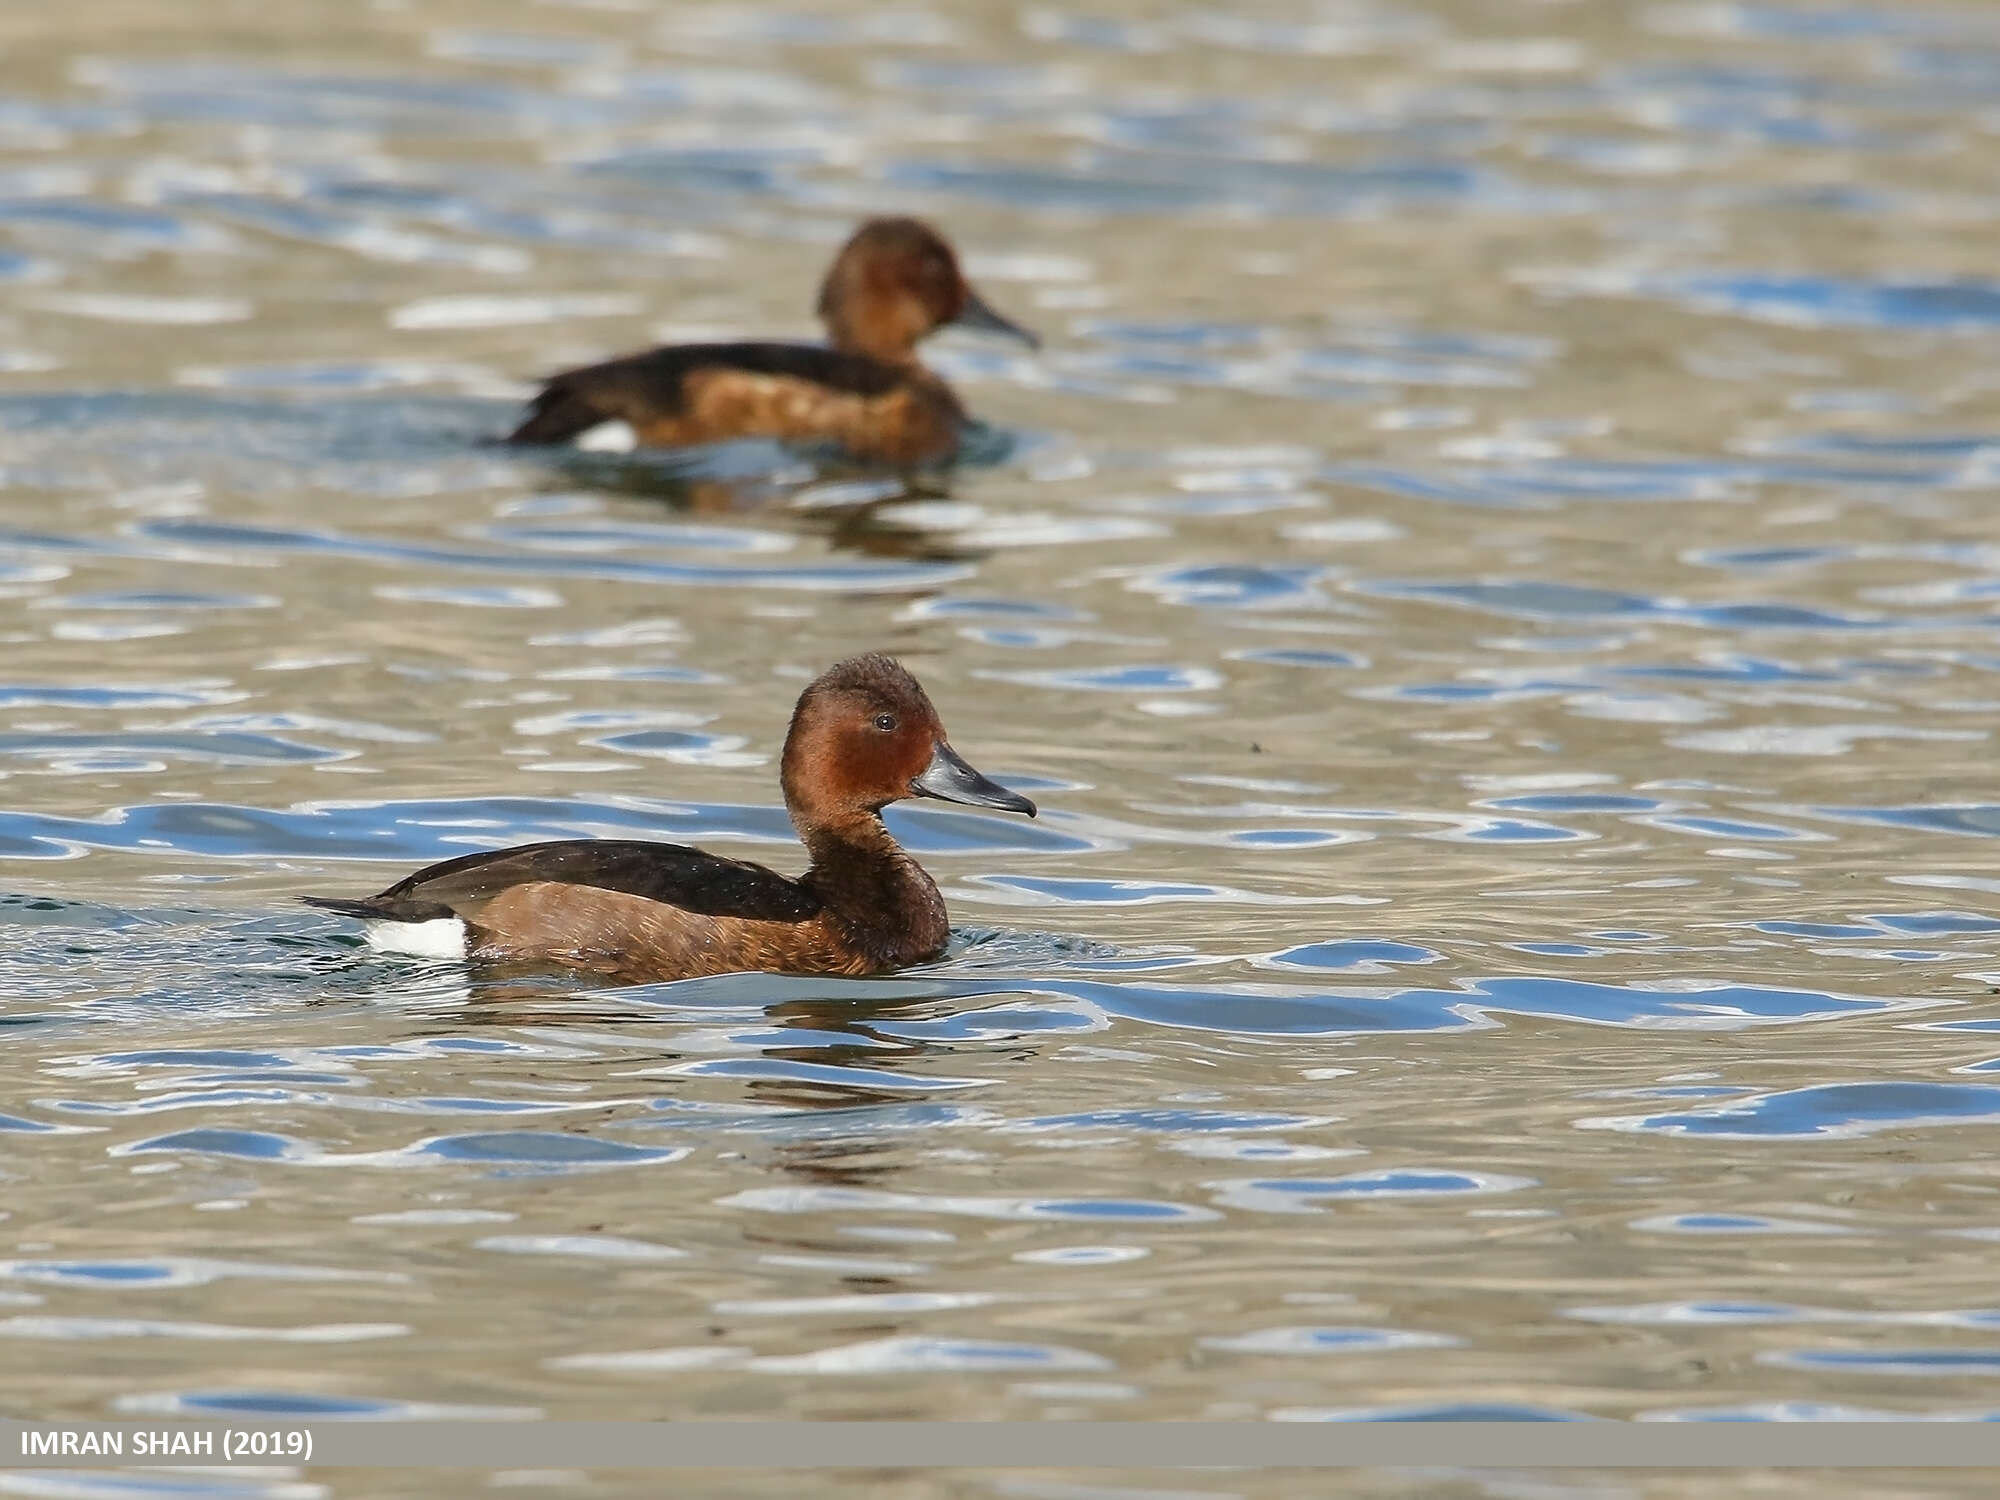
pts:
pixel 893 284
pixel 863 735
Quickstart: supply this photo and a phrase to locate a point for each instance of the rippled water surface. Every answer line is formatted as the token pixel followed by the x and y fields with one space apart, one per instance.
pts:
pixel 1493 580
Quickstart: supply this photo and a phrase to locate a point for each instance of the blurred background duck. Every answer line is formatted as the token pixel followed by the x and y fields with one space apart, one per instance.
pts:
pixel 893 284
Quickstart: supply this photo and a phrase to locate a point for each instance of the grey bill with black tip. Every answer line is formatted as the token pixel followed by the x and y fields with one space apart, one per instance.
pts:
pixel 976 314
pixel 950 779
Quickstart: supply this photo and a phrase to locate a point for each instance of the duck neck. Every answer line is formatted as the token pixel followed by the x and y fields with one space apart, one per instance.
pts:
pixel 865 331
pixel 879 895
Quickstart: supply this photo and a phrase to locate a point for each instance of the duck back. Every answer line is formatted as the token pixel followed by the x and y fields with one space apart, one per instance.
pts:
pixel 693 393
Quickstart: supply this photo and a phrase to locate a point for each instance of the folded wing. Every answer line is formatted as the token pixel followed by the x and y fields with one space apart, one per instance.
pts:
pixel 658 386
pixel 671 874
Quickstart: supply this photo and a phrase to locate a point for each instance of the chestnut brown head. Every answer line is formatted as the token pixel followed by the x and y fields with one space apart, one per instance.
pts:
pixel 897 281
pixel 865 735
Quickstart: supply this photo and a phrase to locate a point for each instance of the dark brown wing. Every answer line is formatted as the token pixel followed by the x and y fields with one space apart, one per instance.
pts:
pixel 672 874
pixel 649 387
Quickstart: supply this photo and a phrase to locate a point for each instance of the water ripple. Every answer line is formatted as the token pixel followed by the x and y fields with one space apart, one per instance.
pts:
pixel 834 1200
pixel 1823 1110
pixel 1469 690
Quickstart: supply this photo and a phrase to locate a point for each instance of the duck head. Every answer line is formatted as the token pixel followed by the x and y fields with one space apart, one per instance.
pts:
pixel 896 282
pixel 865 735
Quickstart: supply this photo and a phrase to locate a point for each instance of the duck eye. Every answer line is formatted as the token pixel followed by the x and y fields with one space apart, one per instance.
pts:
pixel 885 722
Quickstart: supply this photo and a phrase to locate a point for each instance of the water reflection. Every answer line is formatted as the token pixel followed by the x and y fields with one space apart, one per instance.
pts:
pixel 855 512
pixel 1492 582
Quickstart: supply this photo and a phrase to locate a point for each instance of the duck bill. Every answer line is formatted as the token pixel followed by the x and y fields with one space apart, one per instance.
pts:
pixel 976 314
pixel 950 779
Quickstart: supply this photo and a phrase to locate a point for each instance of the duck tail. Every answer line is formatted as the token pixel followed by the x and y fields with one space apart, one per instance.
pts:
pixel 558 414
pixel 387 907
pixel 367 909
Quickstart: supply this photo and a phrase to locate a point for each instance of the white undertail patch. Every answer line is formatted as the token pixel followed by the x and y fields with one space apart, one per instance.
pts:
pixel 614 436
pixel 441 937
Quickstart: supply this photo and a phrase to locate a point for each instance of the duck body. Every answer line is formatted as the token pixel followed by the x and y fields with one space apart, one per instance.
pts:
pixel 660 908
pixel 686 394
pixel 894 283
pixel 863 735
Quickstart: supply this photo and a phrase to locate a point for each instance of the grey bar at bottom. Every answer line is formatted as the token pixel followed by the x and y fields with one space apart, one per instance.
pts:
pixel 1072 1445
